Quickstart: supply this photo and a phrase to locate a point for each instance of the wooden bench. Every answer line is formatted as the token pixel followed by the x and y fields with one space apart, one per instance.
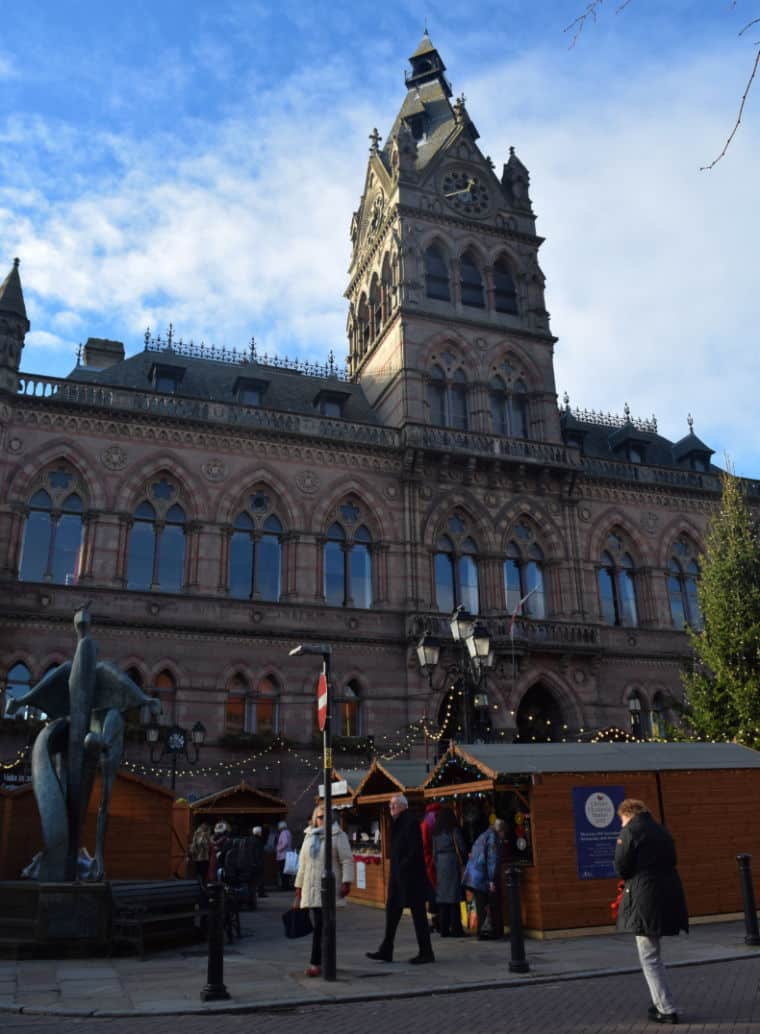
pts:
pixel 167 908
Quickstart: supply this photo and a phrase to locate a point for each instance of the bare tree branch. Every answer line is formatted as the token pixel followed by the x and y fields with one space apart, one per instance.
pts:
pixel 577 25
pixel 732 134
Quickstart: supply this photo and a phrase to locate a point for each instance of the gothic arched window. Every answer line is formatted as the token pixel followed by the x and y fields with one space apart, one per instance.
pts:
pixel 234 705
pixel 262 713
pixel 683 573
pixel 456 568
pixel 17 684
pixel 509 407
pixel 156 550
pixel 437 274
pixel 470 281
pixel 348 561
pixel 447 398
pixel 504 293
pixel 660 715
pixel 638 716
pixel 52 541
pixel 348 711
pixel 375 307
pixel 165 688
pixel 255 567
pixel 524 574
pixel 362 326
pixel 617 584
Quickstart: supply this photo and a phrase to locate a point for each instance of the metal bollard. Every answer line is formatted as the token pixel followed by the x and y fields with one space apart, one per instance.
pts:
pixel 215 991
pixel 752 934
pixel 517 961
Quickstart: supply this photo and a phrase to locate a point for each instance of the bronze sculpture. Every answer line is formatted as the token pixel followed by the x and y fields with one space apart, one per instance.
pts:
pixel 84 700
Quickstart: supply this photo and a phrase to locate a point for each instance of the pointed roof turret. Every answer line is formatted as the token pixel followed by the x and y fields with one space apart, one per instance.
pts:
pixel 427 66
pixel 11 295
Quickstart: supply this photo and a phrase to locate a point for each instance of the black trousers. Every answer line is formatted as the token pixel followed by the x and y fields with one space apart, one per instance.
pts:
pixel 315 914
pixel 450 919
pixel 393 911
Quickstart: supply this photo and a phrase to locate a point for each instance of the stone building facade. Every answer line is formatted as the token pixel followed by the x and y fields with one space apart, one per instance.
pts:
pixel 219 509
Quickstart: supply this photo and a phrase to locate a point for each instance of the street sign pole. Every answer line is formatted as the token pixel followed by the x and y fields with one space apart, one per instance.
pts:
pixel 329 954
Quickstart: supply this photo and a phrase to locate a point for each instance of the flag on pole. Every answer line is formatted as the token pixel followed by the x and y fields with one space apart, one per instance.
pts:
pixel 518 611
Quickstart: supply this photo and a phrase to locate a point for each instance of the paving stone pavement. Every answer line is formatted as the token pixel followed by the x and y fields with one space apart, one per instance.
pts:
pixel 264 972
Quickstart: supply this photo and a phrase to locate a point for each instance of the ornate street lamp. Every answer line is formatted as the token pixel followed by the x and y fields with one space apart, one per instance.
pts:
pixel 175 744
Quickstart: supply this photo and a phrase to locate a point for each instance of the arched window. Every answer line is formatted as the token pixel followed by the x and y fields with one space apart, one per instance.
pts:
pixel 436 274
pixel 456 568
pixel 165 688
pixel 375 307
pixel 262 713
pixel 638 716
pixel 18 684
pixel 524 574
pixel 617 584
pixel 660 715
pixel 509 407
pixel 470 281
pixel 348 561
pixel 235 704
pixel 386 288
pixel 348 712
pixel 504 293
pixel 448 399
pixel 52 541
pixel 683 574
pixel 156 551
pixel 255 566
pixel 363 326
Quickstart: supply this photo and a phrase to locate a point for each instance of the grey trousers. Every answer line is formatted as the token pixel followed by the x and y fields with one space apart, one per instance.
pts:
pixel 654 973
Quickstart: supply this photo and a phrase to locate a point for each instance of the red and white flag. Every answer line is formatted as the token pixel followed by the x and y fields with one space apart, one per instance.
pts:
pixel 516 613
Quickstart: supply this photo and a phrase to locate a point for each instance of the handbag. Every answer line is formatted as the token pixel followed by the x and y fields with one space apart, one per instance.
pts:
pixel 297 923
pixel 291 863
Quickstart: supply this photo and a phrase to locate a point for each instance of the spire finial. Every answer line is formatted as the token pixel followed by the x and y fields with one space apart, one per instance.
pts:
pixel 79 355
pixel 16 263
pixel 690 422
pixel 375 138
pixel 252 350
pixel 566 400
pixel 627 411
pixel 511 151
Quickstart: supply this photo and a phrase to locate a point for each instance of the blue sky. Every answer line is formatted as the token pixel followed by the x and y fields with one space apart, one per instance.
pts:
pixel 199 164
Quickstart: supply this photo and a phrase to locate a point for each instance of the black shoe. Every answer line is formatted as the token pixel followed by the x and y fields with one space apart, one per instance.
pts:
pixel 379 956
pixel 421 960
pixel 656 1016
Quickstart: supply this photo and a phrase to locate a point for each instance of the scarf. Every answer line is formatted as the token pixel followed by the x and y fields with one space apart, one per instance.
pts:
pixel 316 841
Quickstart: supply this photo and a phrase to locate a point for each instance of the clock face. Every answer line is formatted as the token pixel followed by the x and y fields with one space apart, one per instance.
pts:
pixel 176 741
pixel 465 192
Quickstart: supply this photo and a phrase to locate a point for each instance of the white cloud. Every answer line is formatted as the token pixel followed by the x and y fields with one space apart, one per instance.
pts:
pixel 7 67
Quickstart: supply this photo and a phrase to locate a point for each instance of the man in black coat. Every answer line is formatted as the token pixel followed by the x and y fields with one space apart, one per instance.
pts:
pixel 653 904
pixel 407 884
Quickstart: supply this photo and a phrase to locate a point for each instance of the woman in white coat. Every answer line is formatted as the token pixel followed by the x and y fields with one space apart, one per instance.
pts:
pixel 308 883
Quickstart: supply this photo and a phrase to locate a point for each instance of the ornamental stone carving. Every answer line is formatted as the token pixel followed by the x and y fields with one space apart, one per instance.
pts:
pixel 214 470
pixel 114 457
pixel 308 482
pixel 15 445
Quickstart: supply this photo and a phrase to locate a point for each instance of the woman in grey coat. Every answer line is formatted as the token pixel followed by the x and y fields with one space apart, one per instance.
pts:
pixel 449 853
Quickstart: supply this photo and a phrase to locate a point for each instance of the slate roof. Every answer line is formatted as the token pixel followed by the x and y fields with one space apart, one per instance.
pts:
pixel 525 759
pixel 286 390
pixel 431 98
pixel 11 295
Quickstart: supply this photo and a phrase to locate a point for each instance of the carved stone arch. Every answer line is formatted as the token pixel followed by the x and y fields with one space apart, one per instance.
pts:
pixel 567 698
pixel 434 236
pixel 194 497
pixel 433 523
pixel 550 534
pixel 504 350
pixel 503 250
pixel 20 657
pixel 179 674
pixel 231 500
pixel 138 664
pixel 271 672
pixel 474 245
pixel 352 674
pixel 326 510
pixel 230 671
pixel 604 524
pixel 51 660
pixel 460 348
pixel 635 687
pixel 679 527
pixel 36 463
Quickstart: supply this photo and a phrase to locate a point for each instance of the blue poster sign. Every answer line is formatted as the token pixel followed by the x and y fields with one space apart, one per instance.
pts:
pixel 596 829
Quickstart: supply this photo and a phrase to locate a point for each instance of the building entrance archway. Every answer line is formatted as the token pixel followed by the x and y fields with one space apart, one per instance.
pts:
pixel 539 717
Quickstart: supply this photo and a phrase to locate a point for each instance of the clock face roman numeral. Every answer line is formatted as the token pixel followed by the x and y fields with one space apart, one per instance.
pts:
pixel 465 192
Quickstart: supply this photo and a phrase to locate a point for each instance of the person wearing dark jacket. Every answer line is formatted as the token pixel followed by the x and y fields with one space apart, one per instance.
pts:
pixel 653 903
pixel 407 884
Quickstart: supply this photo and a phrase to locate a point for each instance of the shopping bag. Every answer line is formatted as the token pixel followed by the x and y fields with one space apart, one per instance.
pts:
pixel 291 863
pixel 296 922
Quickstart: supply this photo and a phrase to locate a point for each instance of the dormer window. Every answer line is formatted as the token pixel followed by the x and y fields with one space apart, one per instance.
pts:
pixel 166 379
pixel 416 124
pixel 331 403
pixel 635 454
pixel 249 392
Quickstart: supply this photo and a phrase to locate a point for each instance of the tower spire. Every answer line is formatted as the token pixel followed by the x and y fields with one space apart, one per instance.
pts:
pixel 11 294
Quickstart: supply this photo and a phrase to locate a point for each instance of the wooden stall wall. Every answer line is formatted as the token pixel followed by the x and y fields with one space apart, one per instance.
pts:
pixel 713 817
pixel 556 899
pixel 138 840
pixel 181 836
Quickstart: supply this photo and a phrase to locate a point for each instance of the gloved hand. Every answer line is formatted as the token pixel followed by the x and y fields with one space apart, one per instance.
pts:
pixel 297 899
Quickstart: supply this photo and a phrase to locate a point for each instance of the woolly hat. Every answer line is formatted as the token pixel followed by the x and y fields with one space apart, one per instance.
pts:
pixel 257 831
pixel 221 827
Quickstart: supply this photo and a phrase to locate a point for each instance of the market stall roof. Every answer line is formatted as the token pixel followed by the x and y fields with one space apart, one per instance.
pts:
pixel 352 778
pixel 492 763
pixel 386 778
pixel 240 800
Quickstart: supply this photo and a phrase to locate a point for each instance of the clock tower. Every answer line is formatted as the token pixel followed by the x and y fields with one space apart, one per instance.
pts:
pixel 447 324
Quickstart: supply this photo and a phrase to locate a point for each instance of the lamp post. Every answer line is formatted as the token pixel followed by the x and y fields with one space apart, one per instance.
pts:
pixel 474 658
pixel 175 744
pixel 324 706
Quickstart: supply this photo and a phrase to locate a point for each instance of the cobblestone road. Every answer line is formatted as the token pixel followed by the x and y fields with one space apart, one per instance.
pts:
pixel 714 998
